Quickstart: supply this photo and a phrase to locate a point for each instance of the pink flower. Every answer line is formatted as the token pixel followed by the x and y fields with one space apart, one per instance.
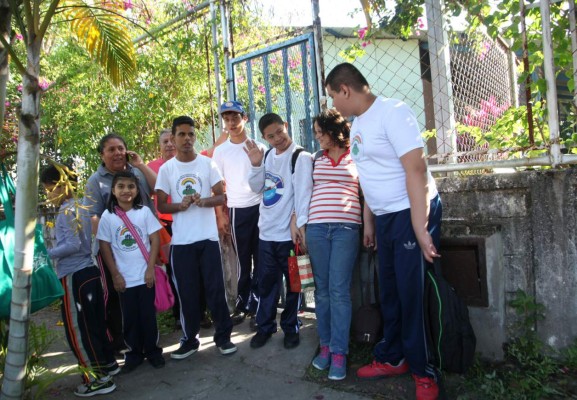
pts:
pixel 365 44
pixel 421 23
pixel 44 84
pixel 362 32
pixel 19 37
pixel 19 88
pixel 128 4
pixel 7 104
pixel 262 89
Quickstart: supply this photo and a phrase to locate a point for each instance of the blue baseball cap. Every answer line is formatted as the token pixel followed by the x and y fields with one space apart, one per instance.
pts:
pixel 232 106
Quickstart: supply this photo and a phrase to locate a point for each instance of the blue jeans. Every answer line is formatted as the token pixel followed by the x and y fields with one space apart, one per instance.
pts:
pixel 333 249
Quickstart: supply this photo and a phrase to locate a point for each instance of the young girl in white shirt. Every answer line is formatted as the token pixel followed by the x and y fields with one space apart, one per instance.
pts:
pixel 132 274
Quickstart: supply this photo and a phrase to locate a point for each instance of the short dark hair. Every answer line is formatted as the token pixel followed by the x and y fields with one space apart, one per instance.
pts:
pixel 346 74
pixel 335 125
pixel 269 119
pixel 183 119
pixel 113 201
pixel 51 174
pixel 108 137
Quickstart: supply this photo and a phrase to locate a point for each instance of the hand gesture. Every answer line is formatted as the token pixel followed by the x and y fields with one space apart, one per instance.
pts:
pixel 196 199
pixel 133 158
pixel 255 153
pixel 186 202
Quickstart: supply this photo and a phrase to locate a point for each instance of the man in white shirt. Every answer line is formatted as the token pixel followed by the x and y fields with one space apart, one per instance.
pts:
pixel 194 185
pixel 387 147
pixel 243 207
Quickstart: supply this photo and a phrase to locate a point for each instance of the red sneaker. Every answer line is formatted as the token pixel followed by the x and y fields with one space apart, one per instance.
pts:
pixel 380 370
pixel 427 388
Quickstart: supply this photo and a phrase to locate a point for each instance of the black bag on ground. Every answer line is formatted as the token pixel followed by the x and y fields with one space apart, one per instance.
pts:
pixel 450 336
pixel 367 321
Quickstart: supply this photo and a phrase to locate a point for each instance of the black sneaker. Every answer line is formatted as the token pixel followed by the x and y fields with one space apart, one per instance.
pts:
pixel 97 386
pixel 291 340
pixel 129 367
pixel 111 369
pixel 238 317
pixel 157 362
pixel 186 349
pixel 227 348
pixel 259 340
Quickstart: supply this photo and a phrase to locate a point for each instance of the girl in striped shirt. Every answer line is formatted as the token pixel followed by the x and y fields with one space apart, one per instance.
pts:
pixel 332 237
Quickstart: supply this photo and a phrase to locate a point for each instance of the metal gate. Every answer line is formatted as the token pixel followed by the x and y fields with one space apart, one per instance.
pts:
pixel 280 78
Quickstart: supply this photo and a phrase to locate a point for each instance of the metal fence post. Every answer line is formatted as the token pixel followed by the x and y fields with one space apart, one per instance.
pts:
pixel 549 68
pixel 441 79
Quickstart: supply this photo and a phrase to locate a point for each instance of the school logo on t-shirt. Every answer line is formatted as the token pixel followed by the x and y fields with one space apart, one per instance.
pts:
pixel 357 147
pixel 273 189
pixel 188 185
pixel 124 239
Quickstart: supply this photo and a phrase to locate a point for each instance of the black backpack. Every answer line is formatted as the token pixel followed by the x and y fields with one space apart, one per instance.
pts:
pixel 450 336
pixel 294 157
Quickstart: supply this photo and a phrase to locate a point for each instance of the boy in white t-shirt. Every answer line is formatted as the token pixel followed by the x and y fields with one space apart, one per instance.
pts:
pixel 195 186
pixel 285 202
pixel 402 212
pixel 243 208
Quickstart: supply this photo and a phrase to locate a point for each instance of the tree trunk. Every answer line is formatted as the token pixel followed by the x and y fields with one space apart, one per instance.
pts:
pixel 5 17
pixel 25 224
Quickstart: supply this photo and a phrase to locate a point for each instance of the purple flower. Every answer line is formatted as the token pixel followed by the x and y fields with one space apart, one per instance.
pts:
pixel 362 32
pixel 128 4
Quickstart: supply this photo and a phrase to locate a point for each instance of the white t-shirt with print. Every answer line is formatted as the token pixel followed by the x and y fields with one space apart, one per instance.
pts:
pixel 379 138
pixel 129 259
pixel 235 166
pixel 178 179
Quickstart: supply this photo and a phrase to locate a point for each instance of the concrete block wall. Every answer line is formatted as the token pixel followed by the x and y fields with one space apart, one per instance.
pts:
pixel 529 223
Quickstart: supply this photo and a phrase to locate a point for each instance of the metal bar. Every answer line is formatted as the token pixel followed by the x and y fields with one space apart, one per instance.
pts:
pixel 318 56
pixel 528 102
pixel 573 33
pixel 272 48
pixel 150 34
pixel 226 49
pixel 441 79
pixel 249 79
pixel 318 80
pixel 267 88
pixel 549 68
pixel 538 3
pixel 217 89
pixel 565 159
pixel 307 97
pixel 287 88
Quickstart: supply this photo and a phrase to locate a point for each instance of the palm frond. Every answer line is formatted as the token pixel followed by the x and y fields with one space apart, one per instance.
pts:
pixel 104 34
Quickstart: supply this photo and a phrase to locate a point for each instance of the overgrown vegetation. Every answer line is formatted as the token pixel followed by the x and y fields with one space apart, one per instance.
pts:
pixel 531 370
pixel 38 377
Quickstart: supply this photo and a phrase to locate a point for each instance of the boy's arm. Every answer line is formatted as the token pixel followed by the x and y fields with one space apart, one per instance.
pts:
pixel 170 208
pixel 217 198
pixel 416 179
pixel 117 278
pixel 68 233
pixel 302 181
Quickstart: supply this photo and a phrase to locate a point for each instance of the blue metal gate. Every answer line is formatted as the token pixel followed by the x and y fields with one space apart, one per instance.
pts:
pixel 282 79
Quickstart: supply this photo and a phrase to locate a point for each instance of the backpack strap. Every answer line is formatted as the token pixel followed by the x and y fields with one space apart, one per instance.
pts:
pixel 294 158
pixel 317 155
pixel 120 212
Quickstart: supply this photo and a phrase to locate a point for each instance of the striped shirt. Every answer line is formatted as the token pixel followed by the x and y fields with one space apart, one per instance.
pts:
pixel 335 195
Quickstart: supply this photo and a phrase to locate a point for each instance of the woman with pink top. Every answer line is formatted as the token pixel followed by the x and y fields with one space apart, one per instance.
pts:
pixel 332 238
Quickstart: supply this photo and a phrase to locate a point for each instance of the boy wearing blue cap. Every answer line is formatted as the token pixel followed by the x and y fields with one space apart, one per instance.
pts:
pixel 243 207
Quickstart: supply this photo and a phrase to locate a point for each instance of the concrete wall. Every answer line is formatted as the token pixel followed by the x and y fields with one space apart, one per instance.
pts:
pixel 529 222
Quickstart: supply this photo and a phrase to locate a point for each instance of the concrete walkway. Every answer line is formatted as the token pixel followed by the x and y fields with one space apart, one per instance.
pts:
pixel 270 372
